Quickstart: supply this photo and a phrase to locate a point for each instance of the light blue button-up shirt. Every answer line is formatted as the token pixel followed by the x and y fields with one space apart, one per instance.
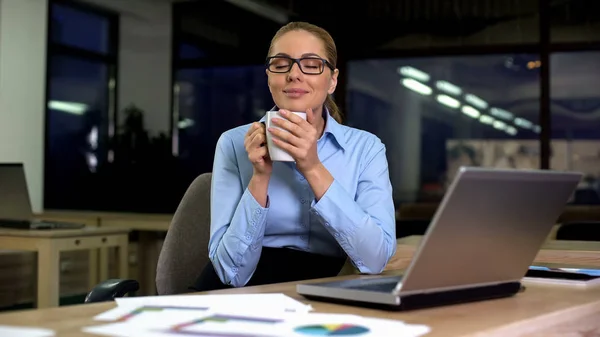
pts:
pixel 354 218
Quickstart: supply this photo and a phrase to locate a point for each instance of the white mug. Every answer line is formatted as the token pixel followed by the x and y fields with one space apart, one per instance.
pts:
pixel 275 152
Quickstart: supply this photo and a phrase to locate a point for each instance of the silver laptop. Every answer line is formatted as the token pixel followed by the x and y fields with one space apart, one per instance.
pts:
pixel 485 234
pixel 15 205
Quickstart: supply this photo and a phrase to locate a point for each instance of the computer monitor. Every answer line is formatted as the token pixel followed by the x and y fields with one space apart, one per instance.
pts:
pixel 14 194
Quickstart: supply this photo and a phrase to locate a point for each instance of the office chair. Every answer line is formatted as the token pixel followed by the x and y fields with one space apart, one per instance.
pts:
pixel 184 252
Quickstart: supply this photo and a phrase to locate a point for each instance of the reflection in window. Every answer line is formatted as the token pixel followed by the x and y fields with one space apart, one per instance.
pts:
pixel 77 113
pixel 573 21
pixel 190 51
pixel 211 101
pixel 435 114
pixel 575 111
pixel 80 29
pixel 79 109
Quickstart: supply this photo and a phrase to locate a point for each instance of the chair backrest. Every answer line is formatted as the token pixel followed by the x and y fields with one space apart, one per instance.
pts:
pixel 185 250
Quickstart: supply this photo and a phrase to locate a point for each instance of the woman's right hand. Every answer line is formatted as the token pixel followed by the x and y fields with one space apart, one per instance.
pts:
pixel 255 143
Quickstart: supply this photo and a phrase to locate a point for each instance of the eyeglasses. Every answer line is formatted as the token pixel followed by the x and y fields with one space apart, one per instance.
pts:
pixel 307 65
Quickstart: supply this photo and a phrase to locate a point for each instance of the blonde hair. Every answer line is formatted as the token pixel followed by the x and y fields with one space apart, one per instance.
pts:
pixel 330 51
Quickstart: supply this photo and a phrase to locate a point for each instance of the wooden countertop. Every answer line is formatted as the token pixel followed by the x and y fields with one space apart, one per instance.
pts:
pixel 100 215
pixel 538 311
pixel 585 253
pixel 63 233
pixel 426 210
pixel 541 310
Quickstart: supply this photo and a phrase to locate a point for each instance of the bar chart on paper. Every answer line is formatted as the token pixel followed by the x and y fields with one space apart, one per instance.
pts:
pixel 231 316
pixel 221 318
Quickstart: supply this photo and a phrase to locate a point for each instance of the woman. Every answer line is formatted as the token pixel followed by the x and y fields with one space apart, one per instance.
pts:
pixel 276 222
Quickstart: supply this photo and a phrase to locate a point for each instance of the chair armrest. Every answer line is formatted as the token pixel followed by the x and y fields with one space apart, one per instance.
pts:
pixel 109 289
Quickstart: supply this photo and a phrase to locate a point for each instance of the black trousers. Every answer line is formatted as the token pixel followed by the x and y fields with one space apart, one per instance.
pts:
pixel 277 265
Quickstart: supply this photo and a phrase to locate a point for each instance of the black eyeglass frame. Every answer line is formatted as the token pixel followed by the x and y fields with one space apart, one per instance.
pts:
pixel 297 61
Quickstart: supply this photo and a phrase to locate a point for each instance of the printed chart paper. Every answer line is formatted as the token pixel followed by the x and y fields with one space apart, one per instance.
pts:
pixel 227 324
pixel 299 325
pixel 150 316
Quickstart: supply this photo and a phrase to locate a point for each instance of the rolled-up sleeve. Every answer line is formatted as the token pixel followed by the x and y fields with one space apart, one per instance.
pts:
pixel 237 223
pixel 364 225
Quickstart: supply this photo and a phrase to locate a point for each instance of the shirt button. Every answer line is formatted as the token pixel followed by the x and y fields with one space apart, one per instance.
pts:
pixel 257 211
pixel 248 237
pixel 303 201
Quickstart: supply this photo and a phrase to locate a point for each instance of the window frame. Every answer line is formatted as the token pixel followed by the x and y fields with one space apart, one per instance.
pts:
pixel 544 47
pixel 110 59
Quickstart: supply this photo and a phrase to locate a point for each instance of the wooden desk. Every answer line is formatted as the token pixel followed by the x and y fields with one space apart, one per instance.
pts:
pixel 90 219
pixel 539 311
pixel 87 218
pixel 133 221
pixel 48 244
pixel 140 222
pixel 426 210
pixel 554 251
pixel 148 225
pixel 149 246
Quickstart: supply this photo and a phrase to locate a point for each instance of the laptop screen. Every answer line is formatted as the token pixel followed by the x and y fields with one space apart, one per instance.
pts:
pixel 14 196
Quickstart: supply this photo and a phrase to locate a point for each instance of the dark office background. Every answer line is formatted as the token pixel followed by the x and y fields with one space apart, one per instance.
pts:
pixel 528 70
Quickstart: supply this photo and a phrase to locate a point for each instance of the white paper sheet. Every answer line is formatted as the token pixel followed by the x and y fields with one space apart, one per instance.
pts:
pixel 261 325
pixel 303 325
pixel 150 315
pixel 271 302
pixel 17 331
pixel 122 330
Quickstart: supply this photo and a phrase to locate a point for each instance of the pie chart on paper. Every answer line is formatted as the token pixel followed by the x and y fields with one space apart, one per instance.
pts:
pixel 331 330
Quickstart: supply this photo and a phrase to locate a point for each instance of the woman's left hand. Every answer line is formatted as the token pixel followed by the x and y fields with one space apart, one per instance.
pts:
pixel 300 140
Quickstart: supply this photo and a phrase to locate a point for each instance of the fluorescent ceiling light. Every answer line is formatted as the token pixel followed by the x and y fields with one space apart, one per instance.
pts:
pixel 448 87
pixel 448 101
pixel 93 138
pixel 499 125
pixel 185 123
pixel 523 123
pixel 511 130
pixel 476 101
pixel 68 107
pixel 470 111
pixel 416 86
pixel 501 113
pixel 487 120
pixel 414 73
pixel 537 129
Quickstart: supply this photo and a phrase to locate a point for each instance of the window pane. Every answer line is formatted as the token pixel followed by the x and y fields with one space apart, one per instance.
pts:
pixel 384 25
pixel 575 108
pixel 435 114
pixel 213 100
pixel 575 21
pixel 80 29
pixel 77 132
pixel 190 51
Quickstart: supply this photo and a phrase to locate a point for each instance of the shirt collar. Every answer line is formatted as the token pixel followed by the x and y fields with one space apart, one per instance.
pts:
pixel 331 127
